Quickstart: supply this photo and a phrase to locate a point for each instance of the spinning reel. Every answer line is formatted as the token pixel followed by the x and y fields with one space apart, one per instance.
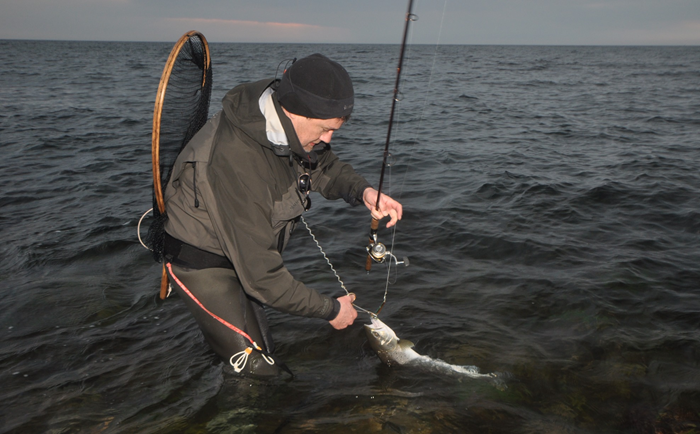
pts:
pixel 378 252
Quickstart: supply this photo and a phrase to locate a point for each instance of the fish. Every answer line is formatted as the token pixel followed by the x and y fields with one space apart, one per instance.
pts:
pixel 395 351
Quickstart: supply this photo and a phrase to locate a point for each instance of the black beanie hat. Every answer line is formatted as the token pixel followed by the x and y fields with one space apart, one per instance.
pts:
pixel 316 87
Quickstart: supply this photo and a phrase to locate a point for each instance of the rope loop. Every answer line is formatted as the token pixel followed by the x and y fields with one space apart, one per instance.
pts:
pixel 241 361
pixel 242 358
pixel 268 359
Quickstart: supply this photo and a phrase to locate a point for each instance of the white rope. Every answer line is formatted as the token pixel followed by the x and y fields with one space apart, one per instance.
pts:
pixel 241 361
pixel 242 358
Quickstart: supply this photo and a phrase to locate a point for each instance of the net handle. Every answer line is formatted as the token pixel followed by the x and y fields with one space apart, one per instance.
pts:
pixel 155 136
pixel 158 110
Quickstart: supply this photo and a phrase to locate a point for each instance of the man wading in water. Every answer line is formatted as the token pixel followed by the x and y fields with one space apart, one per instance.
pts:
pixel 235 194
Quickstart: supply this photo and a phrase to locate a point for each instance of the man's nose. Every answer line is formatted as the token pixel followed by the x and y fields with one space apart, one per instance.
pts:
pixel 326 137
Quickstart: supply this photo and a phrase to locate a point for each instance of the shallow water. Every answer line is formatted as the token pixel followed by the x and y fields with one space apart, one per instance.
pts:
pixel 551 221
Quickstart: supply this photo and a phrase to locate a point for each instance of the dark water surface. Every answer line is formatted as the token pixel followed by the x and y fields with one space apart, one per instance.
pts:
pixel 551 219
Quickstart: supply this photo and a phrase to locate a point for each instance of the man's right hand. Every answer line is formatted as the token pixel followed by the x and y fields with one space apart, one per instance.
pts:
pixel 347 313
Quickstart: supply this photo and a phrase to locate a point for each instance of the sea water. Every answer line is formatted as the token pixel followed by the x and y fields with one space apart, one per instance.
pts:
pixel 551 216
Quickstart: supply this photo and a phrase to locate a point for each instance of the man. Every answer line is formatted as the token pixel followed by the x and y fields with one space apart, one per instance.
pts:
pixel 237 191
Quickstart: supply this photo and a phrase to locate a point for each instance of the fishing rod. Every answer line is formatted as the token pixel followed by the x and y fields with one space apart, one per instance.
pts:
pixel 377 251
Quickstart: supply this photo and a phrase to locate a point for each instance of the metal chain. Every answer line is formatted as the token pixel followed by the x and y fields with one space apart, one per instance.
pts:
pixel 342 285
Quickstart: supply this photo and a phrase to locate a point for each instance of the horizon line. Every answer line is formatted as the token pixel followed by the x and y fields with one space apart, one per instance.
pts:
pixel 367 43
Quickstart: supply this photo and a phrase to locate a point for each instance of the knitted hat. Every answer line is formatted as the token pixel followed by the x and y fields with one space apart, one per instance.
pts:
pixel 316 87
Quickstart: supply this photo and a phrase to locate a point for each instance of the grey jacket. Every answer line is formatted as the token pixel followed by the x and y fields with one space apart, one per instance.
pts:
pixel 233 192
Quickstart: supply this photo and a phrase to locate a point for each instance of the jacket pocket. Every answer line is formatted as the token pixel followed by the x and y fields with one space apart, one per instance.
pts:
pixel 286 210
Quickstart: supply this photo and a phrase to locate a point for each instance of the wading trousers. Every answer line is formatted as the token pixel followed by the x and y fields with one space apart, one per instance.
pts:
pixel 215 297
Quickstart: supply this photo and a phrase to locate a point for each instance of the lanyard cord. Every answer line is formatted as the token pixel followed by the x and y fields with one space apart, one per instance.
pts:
pixel 342 285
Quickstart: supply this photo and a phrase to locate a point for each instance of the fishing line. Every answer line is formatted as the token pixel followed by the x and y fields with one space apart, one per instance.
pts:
pixel 376 251
pixel 425 99
pixel 373 239
pixel 421 112
pixel 411 17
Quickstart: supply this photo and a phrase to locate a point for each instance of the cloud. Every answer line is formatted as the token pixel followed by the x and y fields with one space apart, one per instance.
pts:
pixel 259 24
pixel 587 22
pixel 682 32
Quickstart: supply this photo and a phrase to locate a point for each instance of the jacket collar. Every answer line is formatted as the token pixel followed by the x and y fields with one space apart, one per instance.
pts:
pixel 280 130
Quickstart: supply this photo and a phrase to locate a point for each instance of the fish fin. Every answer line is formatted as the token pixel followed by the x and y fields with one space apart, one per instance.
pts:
pixel 406 344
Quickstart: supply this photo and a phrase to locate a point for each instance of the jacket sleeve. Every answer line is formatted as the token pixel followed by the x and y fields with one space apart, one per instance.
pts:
pixel 335 179
pixel 240 209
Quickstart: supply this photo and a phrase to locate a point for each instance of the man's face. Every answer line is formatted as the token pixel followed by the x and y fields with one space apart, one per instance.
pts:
pixel 311 131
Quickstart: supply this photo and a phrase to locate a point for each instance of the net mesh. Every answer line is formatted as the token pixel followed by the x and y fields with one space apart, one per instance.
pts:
pixel 185 109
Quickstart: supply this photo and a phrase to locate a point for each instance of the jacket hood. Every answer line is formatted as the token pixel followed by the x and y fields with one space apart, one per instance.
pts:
pixel 241 107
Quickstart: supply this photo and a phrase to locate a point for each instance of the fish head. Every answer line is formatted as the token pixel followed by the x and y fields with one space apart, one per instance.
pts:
pixel 380 334
pixel 384 341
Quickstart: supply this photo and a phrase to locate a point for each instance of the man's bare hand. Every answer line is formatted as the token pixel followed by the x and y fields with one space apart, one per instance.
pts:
pixel 387 206
pixel 347 313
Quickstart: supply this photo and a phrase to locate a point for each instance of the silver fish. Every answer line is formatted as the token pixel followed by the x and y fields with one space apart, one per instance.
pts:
pixel 395 351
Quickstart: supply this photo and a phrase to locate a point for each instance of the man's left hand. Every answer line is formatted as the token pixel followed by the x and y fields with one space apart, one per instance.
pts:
pixel 387 206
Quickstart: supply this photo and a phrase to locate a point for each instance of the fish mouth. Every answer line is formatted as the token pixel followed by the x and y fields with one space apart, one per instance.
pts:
pixel 375 324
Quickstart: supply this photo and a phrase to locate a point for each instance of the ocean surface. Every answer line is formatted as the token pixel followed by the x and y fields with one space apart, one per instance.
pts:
pixel 551 217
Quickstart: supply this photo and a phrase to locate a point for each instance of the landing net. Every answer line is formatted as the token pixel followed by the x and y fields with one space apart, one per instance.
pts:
pixel 181 109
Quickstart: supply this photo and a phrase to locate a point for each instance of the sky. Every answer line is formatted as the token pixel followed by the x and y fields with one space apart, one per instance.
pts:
pixel 528 22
